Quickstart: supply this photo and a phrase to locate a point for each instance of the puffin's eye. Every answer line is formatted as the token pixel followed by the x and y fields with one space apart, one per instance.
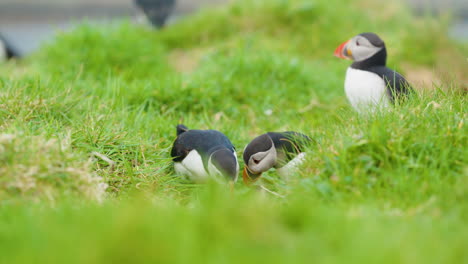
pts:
pixel 256 161
pixel 357 43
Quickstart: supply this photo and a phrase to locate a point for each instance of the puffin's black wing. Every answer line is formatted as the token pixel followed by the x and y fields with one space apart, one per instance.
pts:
pixel 209 140
pixel 397 86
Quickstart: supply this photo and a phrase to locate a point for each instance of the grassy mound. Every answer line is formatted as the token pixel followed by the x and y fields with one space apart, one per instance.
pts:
pixel 35 168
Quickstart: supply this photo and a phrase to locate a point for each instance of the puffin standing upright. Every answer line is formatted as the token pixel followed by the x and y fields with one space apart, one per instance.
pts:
pixel 280 150
pixel 6 50
pixel 369 83
pixel 200 154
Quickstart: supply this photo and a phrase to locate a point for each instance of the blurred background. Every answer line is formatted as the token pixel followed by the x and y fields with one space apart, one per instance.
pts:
pixel 28 23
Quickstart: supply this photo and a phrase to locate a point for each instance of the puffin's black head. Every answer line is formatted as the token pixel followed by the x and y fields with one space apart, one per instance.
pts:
pixel 259 156
pixel 181 129
pixel 225 162
pixel 363 47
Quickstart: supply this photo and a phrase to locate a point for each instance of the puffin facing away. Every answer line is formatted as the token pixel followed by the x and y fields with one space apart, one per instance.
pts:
pixel 280 150
pixel 6 50
pixel 200 154
pixel 369 82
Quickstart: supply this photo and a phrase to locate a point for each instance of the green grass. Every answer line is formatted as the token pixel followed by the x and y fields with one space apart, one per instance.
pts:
pixel 99 105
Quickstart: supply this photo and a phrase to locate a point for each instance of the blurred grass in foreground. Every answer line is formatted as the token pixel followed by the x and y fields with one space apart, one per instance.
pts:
pixel 216 227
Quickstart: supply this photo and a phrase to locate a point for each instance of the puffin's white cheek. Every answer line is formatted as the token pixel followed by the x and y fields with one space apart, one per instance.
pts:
pixel 269 161
pixel 254 166
pixel 363 52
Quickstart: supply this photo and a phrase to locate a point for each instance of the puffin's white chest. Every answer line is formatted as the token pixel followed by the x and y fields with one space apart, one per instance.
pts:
pixel 2 51
pixel 365 89
pixel 192 166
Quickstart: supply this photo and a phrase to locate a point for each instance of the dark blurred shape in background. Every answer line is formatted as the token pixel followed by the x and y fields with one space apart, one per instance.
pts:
pixel 157 11
pixel 28 23
pixel 7 51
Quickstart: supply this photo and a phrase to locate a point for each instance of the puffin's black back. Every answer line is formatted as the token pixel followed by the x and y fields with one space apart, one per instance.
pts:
pixel 292 143
pixel 222 159
pixel 397 86
pixel 203 141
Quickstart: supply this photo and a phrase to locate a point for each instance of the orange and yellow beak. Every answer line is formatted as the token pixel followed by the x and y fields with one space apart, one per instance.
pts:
pixel 342 52
pixel 248 180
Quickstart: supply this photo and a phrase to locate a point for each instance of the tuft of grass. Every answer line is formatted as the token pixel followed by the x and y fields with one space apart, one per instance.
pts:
pixel 36 168
pixel 105 53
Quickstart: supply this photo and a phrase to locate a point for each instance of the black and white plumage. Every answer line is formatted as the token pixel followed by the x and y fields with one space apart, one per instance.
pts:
pixel 369 82
pixel 280 150
pixel 157 11
pixel 6 50
pixel 200 154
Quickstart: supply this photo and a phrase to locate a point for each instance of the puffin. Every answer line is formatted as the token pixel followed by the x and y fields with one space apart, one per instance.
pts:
pixel 369 82
pixel 157 11
pixel 6 50
pixel 283 151
pixel 204 154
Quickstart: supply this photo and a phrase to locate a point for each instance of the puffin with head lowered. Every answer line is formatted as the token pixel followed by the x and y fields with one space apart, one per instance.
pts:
pixel 369 82
pixel 6 50
pixel 280 150
pixel 202 154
